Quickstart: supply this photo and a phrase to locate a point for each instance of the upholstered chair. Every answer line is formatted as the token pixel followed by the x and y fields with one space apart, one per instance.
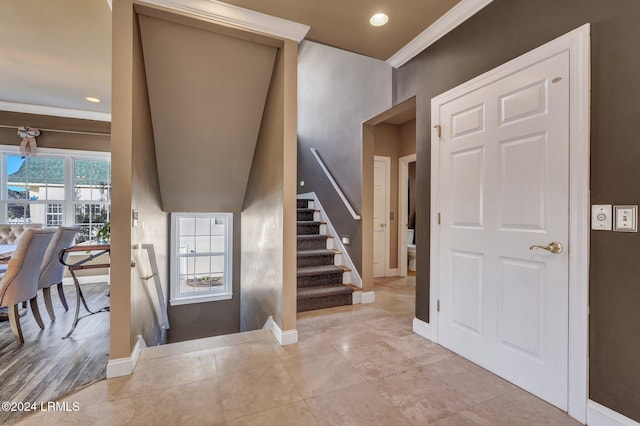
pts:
pixel 52 271
pixel 20 282
pixel 11 232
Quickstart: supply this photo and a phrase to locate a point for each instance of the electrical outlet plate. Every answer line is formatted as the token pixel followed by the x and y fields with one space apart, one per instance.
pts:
pixel 625 218
pixel 601 217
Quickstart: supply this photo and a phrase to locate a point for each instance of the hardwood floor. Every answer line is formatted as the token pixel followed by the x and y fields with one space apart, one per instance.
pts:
pixel 48 367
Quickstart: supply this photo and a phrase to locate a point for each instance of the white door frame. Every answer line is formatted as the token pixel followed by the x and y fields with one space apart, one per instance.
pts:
pixel 387 210
pixel 403 188
pixel 577 42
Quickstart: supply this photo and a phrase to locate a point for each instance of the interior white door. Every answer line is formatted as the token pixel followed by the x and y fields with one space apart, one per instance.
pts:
pixel 504 185
pixel 381 167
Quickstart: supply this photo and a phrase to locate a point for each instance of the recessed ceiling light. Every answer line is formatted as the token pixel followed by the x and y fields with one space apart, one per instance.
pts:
pixel 92 99
pixel 379 19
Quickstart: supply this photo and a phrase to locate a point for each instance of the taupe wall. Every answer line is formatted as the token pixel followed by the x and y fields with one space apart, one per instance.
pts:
pixel 135 186
pixel 407 138
pixel 206 114
pixel 153 223
pixel 57 132
pixel 121 177
pixel 337 91
pixel 268 216
pixel 502 31
pixel 198 320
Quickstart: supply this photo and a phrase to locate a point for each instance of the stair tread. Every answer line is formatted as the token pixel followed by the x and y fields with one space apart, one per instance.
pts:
pixel 316 252
pixel 323 291
pixel 309 222
pixel 313 270
pixel 313 237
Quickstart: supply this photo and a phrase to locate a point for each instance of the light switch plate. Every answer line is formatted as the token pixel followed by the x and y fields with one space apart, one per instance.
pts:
pixel 601 217
pixel 625 218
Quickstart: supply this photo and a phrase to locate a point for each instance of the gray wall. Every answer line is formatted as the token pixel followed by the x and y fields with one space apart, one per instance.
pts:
pixel 337 91
pixel 198 320
pixel 499 33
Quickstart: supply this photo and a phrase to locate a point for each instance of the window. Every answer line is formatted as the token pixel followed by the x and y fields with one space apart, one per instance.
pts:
pixel 56 187
pixel 91 196
pixel 201 257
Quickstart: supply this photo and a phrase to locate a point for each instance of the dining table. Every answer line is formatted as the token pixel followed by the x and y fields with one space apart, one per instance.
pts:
pixel 93 251
pixel 6 250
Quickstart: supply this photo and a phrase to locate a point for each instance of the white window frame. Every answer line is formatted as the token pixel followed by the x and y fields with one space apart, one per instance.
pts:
pixel 69 202
pixel 226 293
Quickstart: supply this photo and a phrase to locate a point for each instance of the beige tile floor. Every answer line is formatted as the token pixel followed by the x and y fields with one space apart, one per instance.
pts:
pixel 356 365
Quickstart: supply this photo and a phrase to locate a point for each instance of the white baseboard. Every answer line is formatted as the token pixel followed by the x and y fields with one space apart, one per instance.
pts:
pixel 124 366
pixel 285 338
pixel 87 279
pixel 357 297
pixel 599 415
pixel 422 329
pixel 368 297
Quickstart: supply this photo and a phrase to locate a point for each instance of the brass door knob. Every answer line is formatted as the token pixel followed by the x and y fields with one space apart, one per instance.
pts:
pixel 554 247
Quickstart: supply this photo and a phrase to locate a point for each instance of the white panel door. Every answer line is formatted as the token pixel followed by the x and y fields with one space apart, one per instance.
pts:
pixel 381 167
pixel 504 185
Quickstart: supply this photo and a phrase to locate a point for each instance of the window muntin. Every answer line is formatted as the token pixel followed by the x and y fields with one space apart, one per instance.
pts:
pixel 91 195
pixel 35 178
pixel 201 257
pixel 89 218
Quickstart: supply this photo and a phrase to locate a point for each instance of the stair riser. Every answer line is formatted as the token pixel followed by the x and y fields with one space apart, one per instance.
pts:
pixel 306 215
pixel 308 229
pixel 313 244
pixel 320 279
pixel 323 260
pixel 323 302
pixel 304 204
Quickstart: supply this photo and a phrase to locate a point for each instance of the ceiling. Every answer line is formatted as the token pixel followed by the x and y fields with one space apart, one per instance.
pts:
pixel 56 53
pixel 345 24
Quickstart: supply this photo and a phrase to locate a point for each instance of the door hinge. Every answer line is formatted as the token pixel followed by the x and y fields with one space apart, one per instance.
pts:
pixel 439 218
pixel 438 306
pixel 439 127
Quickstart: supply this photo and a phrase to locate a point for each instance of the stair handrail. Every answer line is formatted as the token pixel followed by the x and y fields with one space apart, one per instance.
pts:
pixel 354 215
pixel 155 275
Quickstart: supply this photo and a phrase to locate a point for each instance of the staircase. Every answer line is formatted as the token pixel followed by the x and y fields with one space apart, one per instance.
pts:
pixel 320 277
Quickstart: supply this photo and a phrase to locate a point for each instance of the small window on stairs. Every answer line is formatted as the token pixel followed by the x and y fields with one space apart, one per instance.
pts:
pixel 201 257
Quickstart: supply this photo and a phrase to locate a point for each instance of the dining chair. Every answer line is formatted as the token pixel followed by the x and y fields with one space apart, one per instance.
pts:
pixel 52 271
pixel 20 282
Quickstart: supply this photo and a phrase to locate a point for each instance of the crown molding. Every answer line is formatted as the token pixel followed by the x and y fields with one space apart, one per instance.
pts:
pixel 54 111
pixel 227 14
pixel 450 20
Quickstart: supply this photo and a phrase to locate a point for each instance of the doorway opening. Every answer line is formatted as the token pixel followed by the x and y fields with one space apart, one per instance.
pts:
pixel 390 138
pixel 407 259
